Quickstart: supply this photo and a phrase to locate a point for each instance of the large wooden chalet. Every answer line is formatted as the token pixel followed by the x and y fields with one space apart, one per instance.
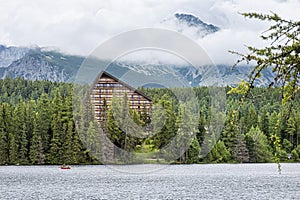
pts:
pixel 106 86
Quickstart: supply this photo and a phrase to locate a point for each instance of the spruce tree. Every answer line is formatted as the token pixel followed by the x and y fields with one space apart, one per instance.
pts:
pixel 55 151
pixel 23 146
pixel 76 148
pixel 219 153
pixel 43 121
pixel 263 122
pixel 230 132
pixel 36 152
pixel 258 146
pixel 3 137
pixel 193 152
pixel 240 151
pixel 201 131
pixel 13 149
pixel 68 145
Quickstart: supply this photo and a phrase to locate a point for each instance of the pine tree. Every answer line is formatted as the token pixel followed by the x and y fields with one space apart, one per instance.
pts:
pixel 193 152
pixel 72 145
pixel 93 141
pixel 258 146
pixel 43 121
pixel 23 146
pixel 3 136
pixel 19 129
pixel 36 152
pixel 287 145
pixel 55 151
pixel 30 112
pixel 115 134
pixel 186 134
pixel 201 132
pixel 241 153
pixel 219 153
pixel 68 153
pixel 263 122
pixel 76 148
pixel 251 118
pixel 230 132
pixel 164 122
pixel 13 149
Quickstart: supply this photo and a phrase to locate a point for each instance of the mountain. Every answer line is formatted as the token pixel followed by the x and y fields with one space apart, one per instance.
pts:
pixel 176 76
pixel 190 25
pixel 38 64
pixel 10 54
pixel 222 75
pixel 42 64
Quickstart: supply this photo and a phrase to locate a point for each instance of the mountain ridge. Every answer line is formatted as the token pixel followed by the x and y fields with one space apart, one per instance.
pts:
pixel 37 64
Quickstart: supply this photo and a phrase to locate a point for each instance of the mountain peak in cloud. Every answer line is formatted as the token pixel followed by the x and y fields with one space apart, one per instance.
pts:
pixel 194 21
pixel 190 25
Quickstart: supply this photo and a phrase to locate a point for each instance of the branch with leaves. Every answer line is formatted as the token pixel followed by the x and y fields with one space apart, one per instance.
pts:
pixel 282 56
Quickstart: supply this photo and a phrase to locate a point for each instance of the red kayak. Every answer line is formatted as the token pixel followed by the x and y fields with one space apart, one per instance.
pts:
pixel 65 167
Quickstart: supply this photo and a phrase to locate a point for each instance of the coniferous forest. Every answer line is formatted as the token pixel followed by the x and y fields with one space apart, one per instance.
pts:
pixel 37 126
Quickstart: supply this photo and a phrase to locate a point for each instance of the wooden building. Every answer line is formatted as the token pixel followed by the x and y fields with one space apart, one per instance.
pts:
pixel 106 86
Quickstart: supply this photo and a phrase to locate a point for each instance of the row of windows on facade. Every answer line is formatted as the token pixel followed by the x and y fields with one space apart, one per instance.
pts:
pixel 116 92
pixel 99 110
pixel 109 85
pixel 95 101
pixel 111 91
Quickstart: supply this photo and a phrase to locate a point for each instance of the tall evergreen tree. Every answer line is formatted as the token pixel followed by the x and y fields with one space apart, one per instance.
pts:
pixel 230 132
pixel 263 122
pixel 13 149
pixel 69 157
pixel 164 122
pixel 36 152
pixel 193 152
pixel 219 153
pixel 20 131
pixel 240 151
pixel 43 121
pixel 23 146
pixel 55 151
pixel 3 136
pixel 257 143
pixel 201 132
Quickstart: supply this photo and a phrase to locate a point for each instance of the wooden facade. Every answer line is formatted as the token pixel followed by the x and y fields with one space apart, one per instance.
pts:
pixel 106 86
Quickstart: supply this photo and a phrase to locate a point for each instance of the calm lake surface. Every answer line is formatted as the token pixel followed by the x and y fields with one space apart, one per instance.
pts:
pixel 218 181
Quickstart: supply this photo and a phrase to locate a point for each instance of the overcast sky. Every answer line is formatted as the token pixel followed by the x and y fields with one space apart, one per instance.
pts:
pixel 78 27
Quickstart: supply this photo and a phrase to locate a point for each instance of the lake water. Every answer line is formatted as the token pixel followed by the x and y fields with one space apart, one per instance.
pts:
pixel 218 181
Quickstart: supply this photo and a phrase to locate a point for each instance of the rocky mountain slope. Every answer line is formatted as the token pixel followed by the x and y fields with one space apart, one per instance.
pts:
pixel 37 64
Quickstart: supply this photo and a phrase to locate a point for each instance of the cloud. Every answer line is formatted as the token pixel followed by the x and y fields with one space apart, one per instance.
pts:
pixel 78 27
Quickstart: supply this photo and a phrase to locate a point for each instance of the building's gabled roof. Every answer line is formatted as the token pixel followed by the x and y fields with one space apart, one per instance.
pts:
pixel 104 73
